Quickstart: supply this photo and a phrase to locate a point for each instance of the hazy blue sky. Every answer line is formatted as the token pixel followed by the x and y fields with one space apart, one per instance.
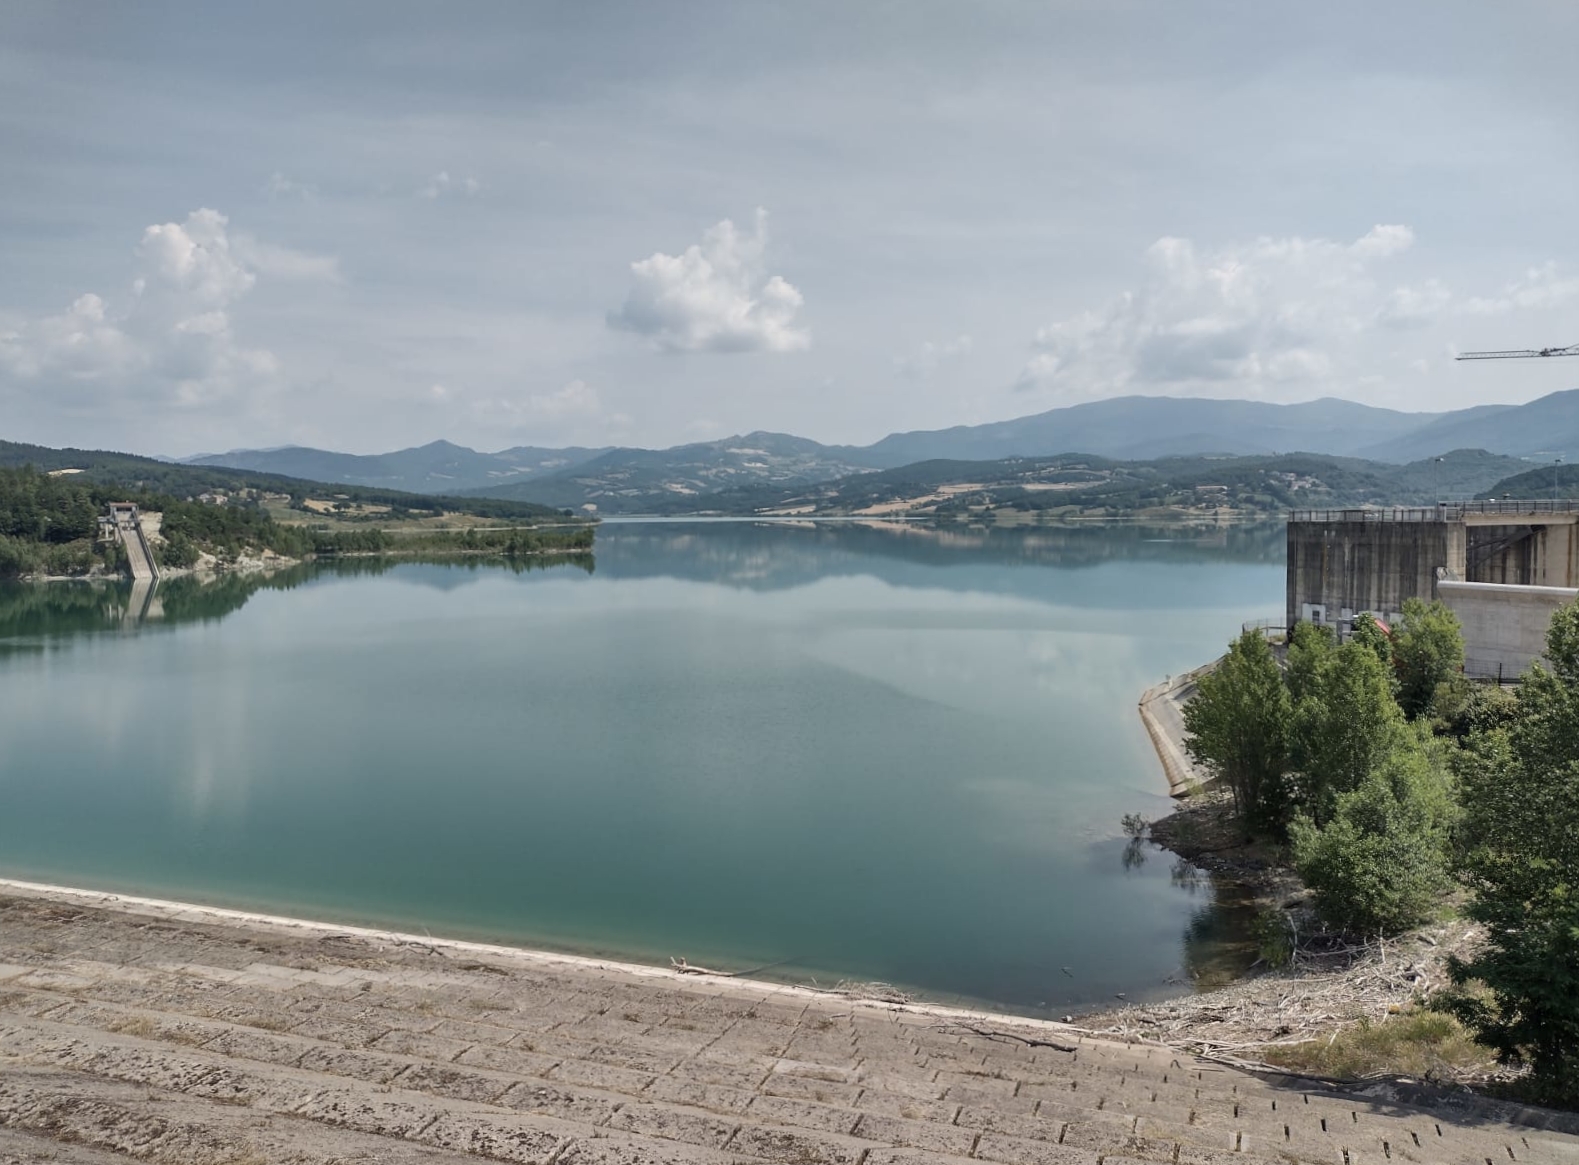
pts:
pixel 369 225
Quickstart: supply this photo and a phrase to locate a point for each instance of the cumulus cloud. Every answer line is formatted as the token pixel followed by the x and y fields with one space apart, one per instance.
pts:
pixel 1248 319
pixel 927 359
pixel 172 334
pixel 1285 318
pixel 714 297
pixel 441 184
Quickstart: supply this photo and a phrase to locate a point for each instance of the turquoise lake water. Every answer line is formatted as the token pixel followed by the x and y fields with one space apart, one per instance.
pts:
pixel 890 753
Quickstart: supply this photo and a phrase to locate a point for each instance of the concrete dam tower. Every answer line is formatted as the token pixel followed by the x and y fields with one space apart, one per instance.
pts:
pixel 1502 566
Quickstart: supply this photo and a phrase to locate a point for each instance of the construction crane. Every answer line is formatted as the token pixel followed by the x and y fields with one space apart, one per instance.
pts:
pixel 1520 353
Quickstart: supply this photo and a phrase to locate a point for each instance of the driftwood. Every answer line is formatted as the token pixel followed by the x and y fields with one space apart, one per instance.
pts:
pixel 1330 985
pixel 1005 1037
pixel 680 966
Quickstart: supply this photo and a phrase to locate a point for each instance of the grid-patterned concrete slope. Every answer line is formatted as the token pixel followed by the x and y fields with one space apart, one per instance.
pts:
pixel 132 1031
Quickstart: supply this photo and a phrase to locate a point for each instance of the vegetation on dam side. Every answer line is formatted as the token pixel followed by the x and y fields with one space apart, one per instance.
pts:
pixel 1400 793
pixel 48 526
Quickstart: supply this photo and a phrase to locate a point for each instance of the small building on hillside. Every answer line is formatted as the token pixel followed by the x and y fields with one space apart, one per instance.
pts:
pixel 1502 566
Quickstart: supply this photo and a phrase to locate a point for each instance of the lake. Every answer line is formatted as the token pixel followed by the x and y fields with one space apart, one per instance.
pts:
pixel 869 752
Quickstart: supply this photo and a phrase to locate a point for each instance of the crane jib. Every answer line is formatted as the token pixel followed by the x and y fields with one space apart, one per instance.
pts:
pixel 1520 353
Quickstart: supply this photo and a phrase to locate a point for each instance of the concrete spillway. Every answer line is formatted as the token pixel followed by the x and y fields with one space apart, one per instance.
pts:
pixel 125 521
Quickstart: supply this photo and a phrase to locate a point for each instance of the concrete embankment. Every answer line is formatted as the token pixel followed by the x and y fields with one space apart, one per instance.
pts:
pixel 132 1029
pixel 1162 712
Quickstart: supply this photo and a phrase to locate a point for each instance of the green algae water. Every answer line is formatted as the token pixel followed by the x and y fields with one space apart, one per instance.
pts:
pixel 873 752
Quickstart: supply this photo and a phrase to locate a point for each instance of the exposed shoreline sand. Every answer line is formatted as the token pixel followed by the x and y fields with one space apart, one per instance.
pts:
pixel 739 984
pixel 142 1029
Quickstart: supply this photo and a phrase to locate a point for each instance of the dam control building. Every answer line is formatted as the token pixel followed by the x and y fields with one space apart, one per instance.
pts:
pixel 1503 567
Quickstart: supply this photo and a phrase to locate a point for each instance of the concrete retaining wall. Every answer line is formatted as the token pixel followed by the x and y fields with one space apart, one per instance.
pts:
pixel 1162 712
pixel 1504 626
pixel 1338 569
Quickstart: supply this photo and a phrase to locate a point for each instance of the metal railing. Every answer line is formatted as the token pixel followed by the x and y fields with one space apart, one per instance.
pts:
pixel 1441 512
pixel 1491 671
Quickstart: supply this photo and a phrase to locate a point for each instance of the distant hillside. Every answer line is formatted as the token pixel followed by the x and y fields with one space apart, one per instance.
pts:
pixel 1541 482
pixel 1130 428
pixel 438 467
pixel 1548 426
pixel 629 480
pixel 148 475
pixel 1078 484
pixel 1143 427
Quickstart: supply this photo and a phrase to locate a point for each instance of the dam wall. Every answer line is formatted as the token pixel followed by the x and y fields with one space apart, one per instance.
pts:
pixel 1504 624
pixel 1342 563
pixel 1340 568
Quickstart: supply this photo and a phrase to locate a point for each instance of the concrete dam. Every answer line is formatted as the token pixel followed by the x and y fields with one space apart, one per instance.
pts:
pixel 1502 566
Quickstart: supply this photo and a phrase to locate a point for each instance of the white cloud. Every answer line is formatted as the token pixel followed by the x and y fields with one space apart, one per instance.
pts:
pixel 1280 318
pixel 279 186
pixel 1539 287
pixel 272 260
pixel 1414 307
pixel 194 258
pixel 715 297
pixel 171 337
pixel 441 183
pixel 79 343
pixel 1273 316
pixel 1384 240
pixel 930 356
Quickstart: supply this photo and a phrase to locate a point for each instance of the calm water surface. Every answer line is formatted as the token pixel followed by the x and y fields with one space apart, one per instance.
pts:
pixel 894 753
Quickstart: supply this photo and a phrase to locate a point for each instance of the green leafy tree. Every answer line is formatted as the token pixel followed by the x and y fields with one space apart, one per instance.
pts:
pixel 1238 726
pixel 1369 632
pixel 1521 860
pixel 1309 645
pixel 1380 864
pixel 1428 651
pixel 1346 723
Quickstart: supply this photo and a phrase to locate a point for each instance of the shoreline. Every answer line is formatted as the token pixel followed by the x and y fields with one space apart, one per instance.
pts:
pixel 862 995
pixel 142 1028
pixel 1268 1015
pixel 248 566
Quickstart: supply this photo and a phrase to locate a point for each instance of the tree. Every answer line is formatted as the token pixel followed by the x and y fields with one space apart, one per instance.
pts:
pixel 1428 650
pixel 1369 632
pixel 1521 861
pixel 1309 644
pixel 1380 864
pixel 1238 726
pixel 1346 723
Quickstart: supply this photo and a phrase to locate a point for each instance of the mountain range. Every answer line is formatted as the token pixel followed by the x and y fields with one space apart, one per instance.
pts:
pixel 1130 428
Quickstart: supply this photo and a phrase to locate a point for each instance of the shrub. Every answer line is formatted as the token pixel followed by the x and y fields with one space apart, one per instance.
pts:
pixel 1380 864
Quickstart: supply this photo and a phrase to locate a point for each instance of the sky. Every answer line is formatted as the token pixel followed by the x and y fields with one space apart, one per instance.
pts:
pixel 364 226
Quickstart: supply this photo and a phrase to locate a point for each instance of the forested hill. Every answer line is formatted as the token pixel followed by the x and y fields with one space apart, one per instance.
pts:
pixel 49 524
pixel 50 501
pixel 1070 484
pixel 1559 480
pixel 149 475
